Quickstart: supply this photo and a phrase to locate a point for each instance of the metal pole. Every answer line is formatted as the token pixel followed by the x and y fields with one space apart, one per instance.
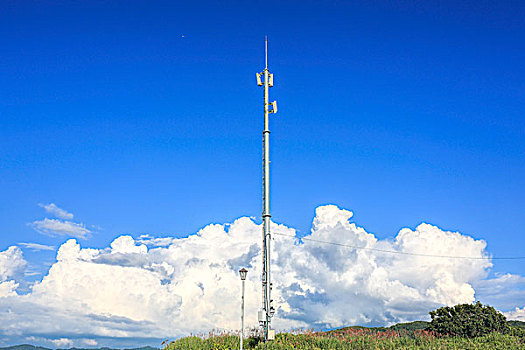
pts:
pixel 266 310
pixel 242 314
pixel 266 211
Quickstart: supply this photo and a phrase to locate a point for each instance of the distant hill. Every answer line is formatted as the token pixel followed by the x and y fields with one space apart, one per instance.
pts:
pixel 519 324
pixel 32 347
pixel 24 347
pixel 411 326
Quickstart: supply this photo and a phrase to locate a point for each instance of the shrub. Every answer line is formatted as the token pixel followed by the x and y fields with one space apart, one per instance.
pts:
pixel 517 332
pixel 251 342
pixel 467 320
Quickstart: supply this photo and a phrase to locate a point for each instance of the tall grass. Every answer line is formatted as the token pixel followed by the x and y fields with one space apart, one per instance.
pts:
pixel 351 339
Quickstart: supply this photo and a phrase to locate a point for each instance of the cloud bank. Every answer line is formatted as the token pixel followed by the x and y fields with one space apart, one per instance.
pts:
pixel 152 289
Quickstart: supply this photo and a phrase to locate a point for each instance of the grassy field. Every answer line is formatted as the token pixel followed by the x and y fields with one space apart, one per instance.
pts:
pixel 355 338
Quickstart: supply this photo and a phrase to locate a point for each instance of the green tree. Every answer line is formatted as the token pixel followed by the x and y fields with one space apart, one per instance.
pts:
pixel 467 320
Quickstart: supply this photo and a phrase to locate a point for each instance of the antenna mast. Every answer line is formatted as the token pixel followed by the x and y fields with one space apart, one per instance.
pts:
pixel 266 312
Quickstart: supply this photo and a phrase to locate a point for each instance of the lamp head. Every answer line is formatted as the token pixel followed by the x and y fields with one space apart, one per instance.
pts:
pixel 243 273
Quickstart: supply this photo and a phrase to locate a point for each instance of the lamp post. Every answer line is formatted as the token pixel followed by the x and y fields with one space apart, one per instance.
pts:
pixel 242 273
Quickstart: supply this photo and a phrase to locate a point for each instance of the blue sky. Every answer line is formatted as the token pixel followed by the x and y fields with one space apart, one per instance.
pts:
pixel 145 118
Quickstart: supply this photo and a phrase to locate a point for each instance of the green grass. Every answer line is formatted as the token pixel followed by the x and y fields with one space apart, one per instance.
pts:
pixel 355 338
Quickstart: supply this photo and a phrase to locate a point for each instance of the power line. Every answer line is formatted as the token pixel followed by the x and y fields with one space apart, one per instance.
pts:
pixel 402 253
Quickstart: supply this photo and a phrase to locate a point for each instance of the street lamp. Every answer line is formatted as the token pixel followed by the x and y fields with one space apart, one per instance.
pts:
pixel 242 273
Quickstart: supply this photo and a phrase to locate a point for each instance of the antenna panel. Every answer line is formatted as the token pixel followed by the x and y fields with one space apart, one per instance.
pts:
pixel 274 107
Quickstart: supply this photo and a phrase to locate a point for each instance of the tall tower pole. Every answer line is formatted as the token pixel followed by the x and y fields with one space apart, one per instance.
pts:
pixel 267 310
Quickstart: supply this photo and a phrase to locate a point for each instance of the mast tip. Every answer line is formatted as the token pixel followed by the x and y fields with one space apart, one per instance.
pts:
pixel 266 51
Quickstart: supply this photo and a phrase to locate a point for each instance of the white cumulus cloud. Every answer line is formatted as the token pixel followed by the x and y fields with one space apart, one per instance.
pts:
pixel 90 342
pixel 62 342
pixel 12 266
pixel 8 288
pixel 516 314
pixel 12 263
pixel 173 287
pixel 52 209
